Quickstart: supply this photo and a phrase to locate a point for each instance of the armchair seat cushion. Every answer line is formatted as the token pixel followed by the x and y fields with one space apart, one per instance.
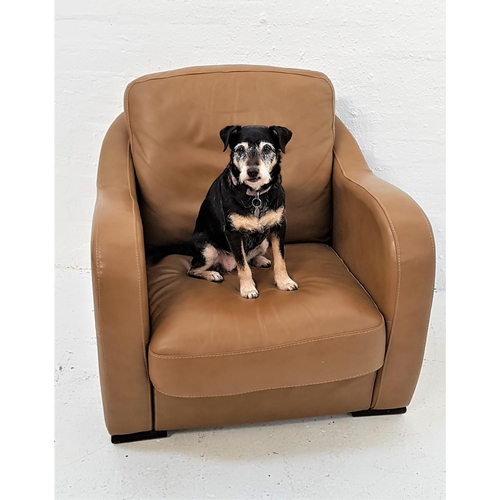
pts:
pixel 206 340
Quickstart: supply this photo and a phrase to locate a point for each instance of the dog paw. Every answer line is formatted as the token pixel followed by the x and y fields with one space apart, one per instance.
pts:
pixel 261 261
pixel 249 292
pixel 215 276
pixel 287 285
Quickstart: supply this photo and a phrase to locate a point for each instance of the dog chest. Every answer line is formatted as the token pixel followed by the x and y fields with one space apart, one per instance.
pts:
pixel 253 223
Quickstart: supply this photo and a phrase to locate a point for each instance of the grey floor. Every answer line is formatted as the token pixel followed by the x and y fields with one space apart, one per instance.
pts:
pixel 333 457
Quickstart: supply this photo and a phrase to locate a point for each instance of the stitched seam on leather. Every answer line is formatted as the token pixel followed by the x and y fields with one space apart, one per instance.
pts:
pixel 99 319
pixel 270 388
pixel 129 167
pixel 229 70
pixel 98 276
pixel 264 349
pixel 398 257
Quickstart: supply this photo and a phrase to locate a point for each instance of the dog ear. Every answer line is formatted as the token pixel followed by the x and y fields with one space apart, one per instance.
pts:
pixel 226 133
pixel 283 135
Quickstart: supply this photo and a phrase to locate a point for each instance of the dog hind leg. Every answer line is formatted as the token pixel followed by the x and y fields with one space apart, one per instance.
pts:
pixel 202 262
pixel 256 256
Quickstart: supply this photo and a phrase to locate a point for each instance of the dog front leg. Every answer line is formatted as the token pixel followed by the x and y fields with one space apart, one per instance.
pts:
pixel 281 278
pixel 248 289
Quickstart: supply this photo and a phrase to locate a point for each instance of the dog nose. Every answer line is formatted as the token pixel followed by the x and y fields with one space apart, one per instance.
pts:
pixel 253 173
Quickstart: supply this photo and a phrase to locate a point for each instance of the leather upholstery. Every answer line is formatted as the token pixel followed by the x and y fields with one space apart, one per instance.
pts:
pixel 120 289
pixel 214 358
pixel 277 404
pixel 208 341
pixel 174 119
pixel 386 241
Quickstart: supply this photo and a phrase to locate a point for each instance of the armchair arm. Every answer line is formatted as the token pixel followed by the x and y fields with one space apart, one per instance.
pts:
pixel 120 289
pixel 387 243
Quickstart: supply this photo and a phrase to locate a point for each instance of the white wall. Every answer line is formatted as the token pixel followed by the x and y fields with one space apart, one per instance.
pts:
pixel 386 60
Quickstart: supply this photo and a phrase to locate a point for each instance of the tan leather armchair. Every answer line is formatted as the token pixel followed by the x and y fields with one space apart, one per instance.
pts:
pixel 179 353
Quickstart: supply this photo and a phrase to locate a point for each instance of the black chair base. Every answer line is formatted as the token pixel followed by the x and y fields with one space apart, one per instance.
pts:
pixel 143 436
pixel 373 413
pixel 139 436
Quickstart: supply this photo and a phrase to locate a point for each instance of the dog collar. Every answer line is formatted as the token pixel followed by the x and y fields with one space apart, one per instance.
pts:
pixel 251 192
pixel 256 202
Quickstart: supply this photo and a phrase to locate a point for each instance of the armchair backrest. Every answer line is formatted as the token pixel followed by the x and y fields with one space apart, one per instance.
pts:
pixel 174 119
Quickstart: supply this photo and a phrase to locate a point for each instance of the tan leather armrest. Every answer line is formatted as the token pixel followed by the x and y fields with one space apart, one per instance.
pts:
pixel 386 241
pixel 120 289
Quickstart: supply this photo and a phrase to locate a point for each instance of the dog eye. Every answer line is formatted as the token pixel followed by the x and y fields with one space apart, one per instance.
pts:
pixel 267 149
pixel 239 150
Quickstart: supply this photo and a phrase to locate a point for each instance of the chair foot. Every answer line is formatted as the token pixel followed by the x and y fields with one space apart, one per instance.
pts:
pixel 139 436
pixel 372 413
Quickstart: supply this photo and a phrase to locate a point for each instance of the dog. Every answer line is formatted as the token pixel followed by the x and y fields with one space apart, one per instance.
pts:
pixel 243 209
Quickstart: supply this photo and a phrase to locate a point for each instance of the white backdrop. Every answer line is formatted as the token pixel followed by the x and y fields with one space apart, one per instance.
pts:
pixel 386 60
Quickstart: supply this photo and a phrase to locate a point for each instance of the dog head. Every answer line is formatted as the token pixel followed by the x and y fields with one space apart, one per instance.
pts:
pixel 255 151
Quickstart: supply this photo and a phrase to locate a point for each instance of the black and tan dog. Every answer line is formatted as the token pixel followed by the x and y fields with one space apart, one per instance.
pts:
pixel 243 210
